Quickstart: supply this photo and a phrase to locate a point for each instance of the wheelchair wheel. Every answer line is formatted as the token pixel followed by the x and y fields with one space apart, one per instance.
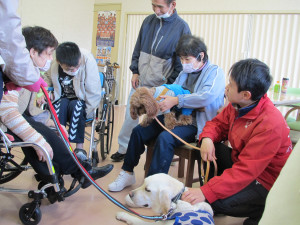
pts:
pixel 30 218
pixel 11 165
pixel 106 131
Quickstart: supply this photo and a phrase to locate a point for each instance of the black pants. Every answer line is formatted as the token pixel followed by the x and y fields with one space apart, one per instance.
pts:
pixel 249 202
pixel 72 111
pixel 62 161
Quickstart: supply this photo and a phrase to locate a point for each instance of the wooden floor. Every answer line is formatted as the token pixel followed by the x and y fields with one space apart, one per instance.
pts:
pixel 87 206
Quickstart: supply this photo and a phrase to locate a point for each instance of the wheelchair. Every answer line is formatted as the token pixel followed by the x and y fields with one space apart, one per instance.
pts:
pixel 13 163
pixel 103 122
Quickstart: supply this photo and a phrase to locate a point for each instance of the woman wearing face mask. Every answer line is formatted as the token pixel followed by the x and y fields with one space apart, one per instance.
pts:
pixel 206 82
pixel 41 44
pixel 77 88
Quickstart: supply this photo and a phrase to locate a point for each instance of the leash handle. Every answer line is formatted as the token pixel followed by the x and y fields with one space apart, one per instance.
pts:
pixel 194 147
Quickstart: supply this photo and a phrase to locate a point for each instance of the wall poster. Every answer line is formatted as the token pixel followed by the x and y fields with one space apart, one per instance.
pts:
pixel 105 37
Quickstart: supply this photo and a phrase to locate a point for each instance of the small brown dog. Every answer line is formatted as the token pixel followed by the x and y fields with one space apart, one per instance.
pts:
pixel 145 101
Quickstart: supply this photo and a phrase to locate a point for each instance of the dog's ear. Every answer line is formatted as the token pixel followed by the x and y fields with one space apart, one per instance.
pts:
pixel 134 104
pixel 150 104
pixel 165 200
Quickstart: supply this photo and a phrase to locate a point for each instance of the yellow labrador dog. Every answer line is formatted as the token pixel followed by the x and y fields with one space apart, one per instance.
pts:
pixel 162 192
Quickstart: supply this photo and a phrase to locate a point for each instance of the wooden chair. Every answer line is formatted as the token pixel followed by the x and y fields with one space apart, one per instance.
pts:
pixel 184 153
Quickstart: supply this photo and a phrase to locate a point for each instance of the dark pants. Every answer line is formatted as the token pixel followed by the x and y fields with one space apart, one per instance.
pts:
pixel 72 111
pixel 249 202
pixel 163 148
pixel 62 161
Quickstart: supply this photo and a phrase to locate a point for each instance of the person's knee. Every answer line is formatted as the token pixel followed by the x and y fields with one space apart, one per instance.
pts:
pixel 137 130
pixel 164 137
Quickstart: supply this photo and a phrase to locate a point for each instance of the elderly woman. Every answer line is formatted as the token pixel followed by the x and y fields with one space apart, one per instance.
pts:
pixel 206 84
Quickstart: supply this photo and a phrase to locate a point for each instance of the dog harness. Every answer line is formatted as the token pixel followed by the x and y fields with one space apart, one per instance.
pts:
pixel 199 217
pixel 171 90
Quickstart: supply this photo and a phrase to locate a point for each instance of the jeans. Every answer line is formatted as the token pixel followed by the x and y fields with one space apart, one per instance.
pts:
pixel 249 202
pixel 163 148
pixel 72 111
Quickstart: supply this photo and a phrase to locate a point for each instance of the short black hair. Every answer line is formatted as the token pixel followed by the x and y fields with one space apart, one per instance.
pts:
pixel 68 53
pixel 39 38
pixel 251 75
pixel 189 45
pixel 169 1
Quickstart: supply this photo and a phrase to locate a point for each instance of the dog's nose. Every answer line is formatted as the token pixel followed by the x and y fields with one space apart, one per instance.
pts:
pixel 131 194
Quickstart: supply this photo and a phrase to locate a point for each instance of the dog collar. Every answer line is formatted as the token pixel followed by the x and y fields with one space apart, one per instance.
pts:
pixel 174 199
pixel 178 196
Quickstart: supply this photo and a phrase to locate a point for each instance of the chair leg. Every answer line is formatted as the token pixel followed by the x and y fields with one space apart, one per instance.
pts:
pixel 148 159
pixel 181 165
pixel 189 173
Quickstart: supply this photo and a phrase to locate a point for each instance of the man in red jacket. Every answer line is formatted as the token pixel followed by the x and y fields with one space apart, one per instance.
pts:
pixel 260 142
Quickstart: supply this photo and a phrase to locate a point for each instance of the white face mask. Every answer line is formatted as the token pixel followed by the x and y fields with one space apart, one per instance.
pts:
pixel 46 67
pixel 189 67
pixel 72 73
pixel 166 15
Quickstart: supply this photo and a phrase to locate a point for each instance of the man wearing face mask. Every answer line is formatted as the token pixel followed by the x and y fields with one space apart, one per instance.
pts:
pixel 77 89
pixel 154 60
pixel 206 83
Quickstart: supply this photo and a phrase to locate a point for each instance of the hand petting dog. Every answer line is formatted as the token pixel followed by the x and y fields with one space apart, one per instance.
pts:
pixel 167 103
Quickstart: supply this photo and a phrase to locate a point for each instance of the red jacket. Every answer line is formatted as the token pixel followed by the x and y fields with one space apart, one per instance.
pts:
pixel 260 147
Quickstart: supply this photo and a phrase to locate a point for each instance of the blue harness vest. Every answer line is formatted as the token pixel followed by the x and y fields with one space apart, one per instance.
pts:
pixel 199 217
pixel 174 90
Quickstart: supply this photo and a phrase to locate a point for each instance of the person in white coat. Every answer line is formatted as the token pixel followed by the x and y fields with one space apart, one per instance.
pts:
pixel 16 66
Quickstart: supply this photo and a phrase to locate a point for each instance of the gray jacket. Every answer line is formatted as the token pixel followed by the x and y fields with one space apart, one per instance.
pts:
pixel 86 83
pixel 208 93
pixel 154 57
pixel 18 65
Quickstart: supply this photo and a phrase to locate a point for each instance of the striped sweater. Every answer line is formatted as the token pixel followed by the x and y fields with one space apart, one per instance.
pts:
pixel 11 117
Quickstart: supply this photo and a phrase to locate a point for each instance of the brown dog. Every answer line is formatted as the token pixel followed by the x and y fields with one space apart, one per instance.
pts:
pixel 143 102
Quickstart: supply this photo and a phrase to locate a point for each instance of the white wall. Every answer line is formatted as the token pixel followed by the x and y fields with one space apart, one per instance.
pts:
pixel 68 20
pixel 72 20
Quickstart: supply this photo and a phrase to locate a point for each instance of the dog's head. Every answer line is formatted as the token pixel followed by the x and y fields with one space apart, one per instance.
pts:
pixel 142 102
pixel 156 193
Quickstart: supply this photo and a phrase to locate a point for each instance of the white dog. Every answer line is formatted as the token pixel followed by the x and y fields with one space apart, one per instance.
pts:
pixel 158 192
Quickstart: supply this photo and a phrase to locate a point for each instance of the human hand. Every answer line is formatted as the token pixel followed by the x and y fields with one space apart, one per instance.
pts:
pixel 135 80
pixel 167 103
pixel 40 101
pixel 36 86
pixel 40 153
pixel 207 150
pixel 193 196
pixel 10 86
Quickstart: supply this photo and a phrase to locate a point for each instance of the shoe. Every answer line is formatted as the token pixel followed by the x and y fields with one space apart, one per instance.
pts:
pixel 80 153
pixel 251 221
pixel 123 180
pixel 97 173
pixel 117 157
